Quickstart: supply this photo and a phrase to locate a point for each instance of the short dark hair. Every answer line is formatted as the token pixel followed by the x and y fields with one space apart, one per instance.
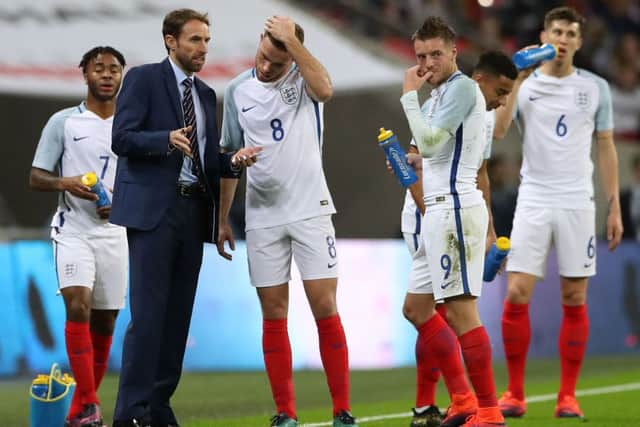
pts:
pixel 496 63
pixel 564 13
pixel 99 50
pixel 279 45
pixel 434 27
pixel 174 22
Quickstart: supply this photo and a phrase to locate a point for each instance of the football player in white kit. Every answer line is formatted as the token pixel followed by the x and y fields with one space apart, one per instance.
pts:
pixel 90 253
pixel 495 74
pixel 277 106
pixel 560 108
pixel 450 134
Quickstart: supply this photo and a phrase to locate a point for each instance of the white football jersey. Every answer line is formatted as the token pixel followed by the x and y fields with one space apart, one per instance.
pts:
pixel 411 217
pixel 287 183
pixel 76 141
pixel 558 117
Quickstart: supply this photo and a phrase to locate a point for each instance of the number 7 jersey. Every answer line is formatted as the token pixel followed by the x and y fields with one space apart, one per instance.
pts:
pixel 558 118
pixel 287 184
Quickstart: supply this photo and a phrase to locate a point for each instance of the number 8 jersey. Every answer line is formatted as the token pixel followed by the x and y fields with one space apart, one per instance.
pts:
pixel 287 184
pixel 558 117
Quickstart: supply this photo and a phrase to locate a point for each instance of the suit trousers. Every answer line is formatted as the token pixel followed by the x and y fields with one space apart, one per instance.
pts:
pixel 164 267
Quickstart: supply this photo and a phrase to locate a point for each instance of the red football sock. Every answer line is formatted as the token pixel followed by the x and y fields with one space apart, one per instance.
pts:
pixel 335 360
pixel 476 350
pixel 277 360
pixel 572 344
pixel 437 338
pixel 442 310
pixel 80 353
pixel 101 347
pixel 516 334
pixel 427 375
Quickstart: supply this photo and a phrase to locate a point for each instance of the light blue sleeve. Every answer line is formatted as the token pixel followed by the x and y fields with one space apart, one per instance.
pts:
pixel 604 113
pixel 232 135
pixel 51 144
pixel 456 103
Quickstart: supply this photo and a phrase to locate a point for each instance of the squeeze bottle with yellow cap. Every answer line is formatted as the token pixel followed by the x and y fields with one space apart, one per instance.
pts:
pixel 530 57
pixel 494 258
pixel 90 179
pixel 397 157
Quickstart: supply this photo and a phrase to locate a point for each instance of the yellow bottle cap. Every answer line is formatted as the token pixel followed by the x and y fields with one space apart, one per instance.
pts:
pixel 67 379
pixel 90 179
pixel 503 243
pixel 41 379
pixel 384 134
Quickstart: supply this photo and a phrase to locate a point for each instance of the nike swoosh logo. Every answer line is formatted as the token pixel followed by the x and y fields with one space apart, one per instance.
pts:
pixel 533 98
pixel 588 265
pixel 329 265
pixel 245 109
pixel 446 285
pixel 80 138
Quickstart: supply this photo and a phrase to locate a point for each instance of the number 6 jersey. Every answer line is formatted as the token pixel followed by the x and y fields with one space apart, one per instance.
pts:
pixel 287 184
pixel 558 118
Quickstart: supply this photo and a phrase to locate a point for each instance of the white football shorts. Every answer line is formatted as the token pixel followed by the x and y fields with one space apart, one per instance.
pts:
pixel 454 241
pixel 311 242
pixel 99 262
pixel 572 231
pixel 419 276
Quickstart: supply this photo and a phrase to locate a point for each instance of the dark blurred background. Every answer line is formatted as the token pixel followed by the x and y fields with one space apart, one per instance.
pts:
pixel 367 198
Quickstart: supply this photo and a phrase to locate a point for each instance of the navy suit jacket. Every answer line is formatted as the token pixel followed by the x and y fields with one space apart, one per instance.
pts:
pixel 147 109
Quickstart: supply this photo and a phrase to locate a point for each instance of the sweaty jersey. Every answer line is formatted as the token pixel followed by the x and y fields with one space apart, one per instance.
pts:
pixel 449 176
pixel 558 117
pixel 411 217
pixel 77 141
pixel 287 183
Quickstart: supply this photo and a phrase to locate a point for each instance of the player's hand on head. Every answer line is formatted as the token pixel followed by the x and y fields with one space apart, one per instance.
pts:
pixel 282 28
pixel 414 78
pixel 245 157
pixel 225 235
pixel 179 139
pixel 104 211
pixel 74 185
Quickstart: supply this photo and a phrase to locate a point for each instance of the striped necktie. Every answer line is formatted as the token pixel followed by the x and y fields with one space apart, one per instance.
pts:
pixel 190 120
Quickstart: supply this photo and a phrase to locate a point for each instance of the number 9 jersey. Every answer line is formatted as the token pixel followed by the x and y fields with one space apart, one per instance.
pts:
pixel 558 117
pixel 287 184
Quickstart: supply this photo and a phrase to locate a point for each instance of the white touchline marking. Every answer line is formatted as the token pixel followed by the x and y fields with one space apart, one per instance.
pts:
pixel 533 399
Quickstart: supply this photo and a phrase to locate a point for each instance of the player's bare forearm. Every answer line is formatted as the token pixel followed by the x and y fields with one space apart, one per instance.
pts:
pixel 227 192
pixel 315 75
pixel 608 168
pixel 44 180
pixel 417 192
pixel 484 186
pixel 504 114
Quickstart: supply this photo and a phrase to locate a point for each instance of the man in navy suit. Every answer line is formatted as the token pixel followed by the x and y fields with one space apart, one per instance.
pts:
pixel 166 194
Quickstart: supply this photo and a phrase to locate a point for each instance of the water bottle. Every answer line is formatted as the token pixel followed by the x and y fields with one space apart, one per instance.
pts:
pixel 494 258
pixel 40 386
pixel 397 157
pixel 90 179
pixel 530 57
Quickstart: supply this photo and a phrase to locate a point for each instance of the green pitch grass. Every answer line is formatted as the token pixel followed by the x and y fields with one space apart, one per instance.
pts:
pixel 244 400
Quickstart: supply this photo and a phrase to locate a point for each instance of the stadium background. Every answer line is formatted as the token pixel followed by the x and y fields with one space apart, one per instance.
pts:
pixel 364 44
